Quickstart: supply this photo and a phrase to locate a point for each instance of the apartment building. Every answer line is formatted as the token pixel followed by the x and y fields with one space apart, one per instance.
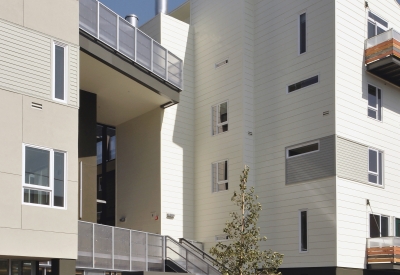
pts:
pixel 124 139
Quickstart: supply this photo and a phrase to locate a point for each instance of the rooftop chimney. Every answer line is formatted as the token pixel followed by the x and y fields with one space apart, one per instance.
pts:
pixel 161 6
pixel 133 19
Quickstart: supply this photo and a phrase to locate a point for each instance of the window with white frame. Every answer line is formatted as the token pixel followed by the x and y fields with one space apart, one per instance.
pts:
pixel 44 176
pixel 378 225
pixel 302 33
pixel 220 118
pixel 303 233
pixel 374 102
pixel 375 167
pixel 220 176
pixel 376 25
pixel 60 79
pixel 396 222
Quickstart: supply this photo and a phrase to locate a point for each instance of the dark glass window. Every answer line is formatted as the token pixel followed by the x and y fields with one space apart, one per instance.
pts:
pixel 397 224
pixel 302 33
pixel 374 102
pixel 378 226
pixel 303 149
pixel 375 173
pixel 59 74
pixel 59 179
pixel 378 19
pixel 303 231
pixel 303 84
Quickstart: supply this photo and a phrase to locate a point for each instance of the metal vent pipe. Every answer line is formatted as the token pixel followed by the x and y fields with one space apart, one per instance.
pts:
pixel 133 19
pixel 161 6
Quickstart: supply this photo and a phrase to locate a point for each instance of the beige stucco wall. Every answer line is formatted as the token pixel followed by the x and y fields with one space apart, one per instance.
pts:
pixel 138 172
pixel 59 19
pixel 31 230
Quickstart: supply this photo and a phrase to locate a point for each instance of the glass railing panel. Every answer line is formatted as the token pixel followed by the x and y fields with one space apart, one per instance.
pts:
pixel 121 249
pixel 159 60
pixel 378 39
pixel 108 26
pixel 126 39
pixel 174 70
pixel 143 53
pixel 138 250
pixel 383 242
pixel 88 16
pixel 85 245
pixel 102 246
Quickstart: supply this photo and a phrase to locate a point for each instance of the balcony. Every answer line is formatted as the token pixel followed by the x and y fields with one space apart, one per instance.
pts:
pixel 382 56
pixel 383 253
pixel 106 26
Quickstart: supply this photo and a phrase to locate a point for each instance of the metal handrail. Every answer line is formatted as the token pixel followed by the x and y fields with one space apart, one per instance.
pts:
pixel 198 250
pixel 113 29
pixel 185 268
pixel 190 252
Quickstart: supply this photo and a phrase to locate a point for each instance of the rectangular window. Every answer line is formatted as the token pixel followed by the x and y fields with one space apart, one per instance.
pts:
pixel 397 227
pixel 303 231
pixel 376 25
pixel 220 118
pixel 302 149
pixel 302 33
pixel 60 71
pixel 220 176
pixel 378 226
pixel 375 169
pixel 303 84
pixel 44 176
pixel 374 102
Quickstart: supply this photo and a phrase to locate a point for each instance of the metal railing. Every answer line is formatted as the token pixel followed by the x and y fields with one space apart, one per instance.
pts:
pixel 380 38
pixel 111 248
pixel 102 23
pixel 187 259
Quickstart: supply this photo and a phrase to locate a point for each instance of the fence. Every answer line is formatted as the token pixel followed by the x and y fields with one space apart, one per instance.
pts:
pixel 114 31
pixel 111 248
pixel 380 38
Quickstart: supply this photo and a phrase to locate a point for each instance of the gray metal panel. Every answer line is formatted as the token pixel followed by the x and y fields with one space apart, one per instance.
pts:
pixel 312 166
pixel 85 245
pixel 352 160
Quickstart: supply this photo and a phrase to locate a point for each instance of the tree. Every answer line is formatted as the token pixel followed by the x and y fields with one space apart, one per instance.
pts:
pixel 241 256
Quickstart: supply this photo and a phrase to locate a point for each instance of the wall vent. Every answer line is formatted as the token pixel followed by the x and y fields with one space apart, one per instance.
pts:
pixel 221 63
pixel 325 113
pixel 222 237
pixel 37 106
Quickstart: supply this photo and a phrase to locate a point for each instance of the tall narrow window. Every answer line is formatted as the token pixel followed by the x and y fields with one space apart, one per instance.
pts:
pixel 220 118
pixel 397 227
pixel 44 177
pixel 374 102
pixel 376 25
pixel 303 231
pixel 378 226
pixel 302 33
pixel 220 176
pixel 375 171
pixel 59 71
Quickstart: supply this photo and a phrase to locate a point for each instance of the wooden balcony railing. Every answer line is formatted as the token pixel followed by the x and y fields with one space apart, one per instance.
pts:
pixel 383 250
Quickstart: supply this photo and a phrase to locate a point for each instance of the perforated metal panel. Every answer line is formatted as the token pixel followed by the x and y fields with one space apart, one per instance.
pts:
pixel 121 249
pixel 85 245
pixel 159 60
pixel 143 53
pixel 102 246
pixel 88 16
pixel 126 38
pixel 174 70
pixel 138 250
pixel 154 253
pixel 108 26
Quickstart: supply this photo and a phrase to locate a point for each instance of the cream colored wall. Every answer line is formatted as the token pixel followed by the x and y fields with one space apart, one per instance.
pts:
pixel 177 138
pixel 153 28
pixel 138 194
pixel 31 230
pixel 353 123
pixel 283 119
pixel 218 35
pixel 26 57
pixel 59 19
